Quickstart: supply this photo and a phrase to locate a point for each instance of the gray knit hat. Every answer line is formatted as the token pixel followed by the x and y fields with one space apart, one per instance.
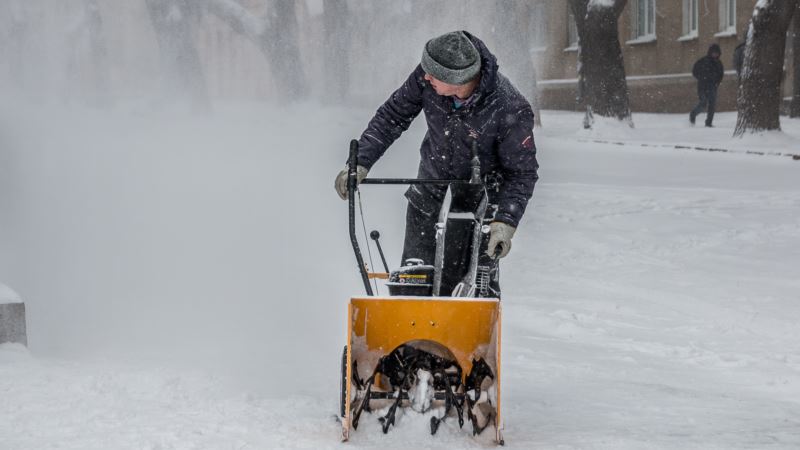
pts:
pixel 451 58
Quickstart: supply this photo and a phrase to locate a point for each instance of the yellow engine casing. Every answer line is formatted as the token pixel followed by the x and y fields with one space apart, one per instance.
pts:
pixel 469 328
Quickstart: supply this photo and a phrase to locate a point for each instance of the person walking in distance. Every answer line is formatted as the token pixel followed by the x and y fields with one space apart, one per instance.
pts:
pixel 709 72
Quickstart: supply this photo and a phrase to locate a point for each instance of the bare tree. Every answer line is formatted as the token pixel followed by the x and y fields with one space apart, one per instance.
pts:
pixel 514 49
pixel 172 22
pixel 275 35
pixel 336 48
pixel 759 98
pixel 794 109
pixel 16 41
pixel 601 75
pixel 284 40
pixel 87 59
pixel 98 51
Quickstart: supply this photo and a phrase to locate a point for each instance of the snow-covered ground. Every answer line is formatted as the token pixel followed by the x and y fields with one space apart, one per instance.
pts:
pixel 7 295
pixel 186 279
pixel 673 131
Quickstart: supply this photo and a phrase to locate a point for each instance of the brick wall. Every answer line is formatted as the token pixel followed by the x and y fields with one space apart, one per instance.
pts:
pixel 669 95
pixel 657 71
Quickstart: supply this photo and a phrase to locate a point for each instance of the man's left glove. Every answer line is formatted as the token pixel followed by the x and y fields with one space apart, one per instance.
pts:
pixel 341 180
pixel 500 234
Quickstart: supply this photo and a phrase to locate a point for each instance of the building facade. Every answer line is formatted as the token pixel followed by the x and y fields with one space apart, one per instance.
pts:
pixel 47 48
pixel 661 40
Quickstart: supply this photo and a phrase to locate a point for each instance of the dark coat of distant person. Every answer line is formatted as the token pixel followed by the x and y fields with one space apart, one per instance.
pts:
pixel 709 71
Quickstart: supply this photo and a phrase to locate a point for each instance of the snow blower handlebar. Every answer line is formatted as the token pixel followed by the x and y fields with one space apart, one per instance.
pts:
pixel 352 181
pixel 352 185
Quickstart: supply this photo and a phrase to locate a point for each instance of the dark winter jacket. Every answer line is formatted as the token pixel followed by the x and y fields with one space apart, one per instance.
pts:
pixel 498 116
pixel 708 71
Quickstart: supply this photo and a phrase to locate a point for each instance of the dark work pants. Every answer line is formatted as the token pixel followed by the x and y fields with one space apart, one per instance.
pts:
pixel 708 99
pixel 420 241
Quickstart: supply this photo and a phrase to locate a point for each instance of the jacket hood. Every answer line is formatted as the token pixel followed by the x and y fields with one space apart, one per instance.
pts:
pixel 489 66
pixel 714 48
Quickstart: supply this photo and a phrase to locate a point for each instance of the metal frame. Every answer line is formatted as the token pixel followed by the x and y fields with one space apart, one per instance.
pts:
pixel 352 185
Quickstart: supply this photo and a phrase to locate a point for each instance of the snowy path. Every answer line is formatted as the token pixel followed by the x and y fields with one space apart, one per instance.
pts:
pixel 670 320
pixel 659 132
pixel 651 301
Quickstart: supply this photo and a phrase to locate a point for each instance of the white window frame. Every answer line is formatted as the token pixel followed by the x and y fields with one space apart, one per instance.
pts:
pixel 572 32
pixel 727 18
pixel 690 20
pixel 642 33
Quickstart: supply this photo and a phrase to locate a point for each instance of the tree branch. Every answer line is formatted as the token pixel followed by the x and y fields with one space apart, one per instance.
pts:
pixel 238 18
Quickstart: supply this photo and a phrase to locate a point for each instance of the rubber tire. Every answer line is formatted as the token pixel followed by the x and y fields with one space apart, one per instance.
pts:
pixel 343 385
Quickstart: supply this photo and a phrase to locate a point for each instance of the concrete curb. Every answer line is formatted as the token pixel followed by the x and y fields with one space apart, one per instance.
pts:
pixel 12 323
pixel 794 156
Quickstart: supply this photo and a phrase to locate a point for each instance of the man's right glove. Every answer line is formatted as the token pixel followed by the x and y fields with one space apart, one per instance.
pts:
pixel 500 234
pixel 341 180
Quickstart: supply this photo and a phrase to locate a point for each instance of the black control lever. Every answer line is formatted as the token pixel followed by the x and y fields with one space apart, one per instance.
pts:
pixel 375 236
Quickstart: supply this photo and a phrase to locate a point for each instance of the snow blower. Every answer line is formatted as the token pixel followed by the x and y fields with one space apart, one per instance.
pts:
pixel 433 344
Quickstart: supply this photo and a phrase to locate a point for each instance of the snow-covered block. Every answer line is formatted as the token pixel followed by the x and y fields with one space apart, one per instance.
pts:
pixel 12 317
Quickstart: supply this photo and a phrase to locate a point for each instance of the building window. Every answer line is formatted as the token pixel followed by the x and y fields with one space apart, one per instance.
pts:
pixel 690 18
pixel 572 30
pixel 727 16
pixel 644 20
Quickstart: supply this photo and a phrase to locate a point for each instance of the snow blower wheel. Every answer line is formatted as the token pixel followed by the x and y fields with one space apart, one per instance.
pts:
pixel 343 385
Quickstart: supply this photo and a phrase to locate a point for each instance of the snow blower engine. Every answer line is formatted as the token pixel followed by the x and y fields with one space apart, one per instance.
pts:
pixel 433 344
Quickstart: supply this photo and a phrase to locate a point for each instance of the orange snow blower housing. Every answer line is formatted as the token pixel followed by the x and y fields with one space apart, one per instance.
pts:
pixel 417 349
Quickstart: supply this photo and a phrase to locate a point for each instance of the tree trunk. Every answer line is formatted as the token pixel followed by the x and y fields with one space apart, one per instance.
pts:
pixel 794 109
pixel 601 75
pixel 283 40
pixel 336 49
pixel 536 99
pixel 184 72
pixel 17 41
pixel 98 54
pixel 513 49
pixel 759 98
pixel 275 35
pixel 87 58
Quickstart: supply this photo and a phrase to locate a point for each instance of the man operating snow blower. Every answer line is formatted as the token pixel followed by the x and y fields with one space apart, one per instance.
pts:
pixel 434 343
pixel 467 103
